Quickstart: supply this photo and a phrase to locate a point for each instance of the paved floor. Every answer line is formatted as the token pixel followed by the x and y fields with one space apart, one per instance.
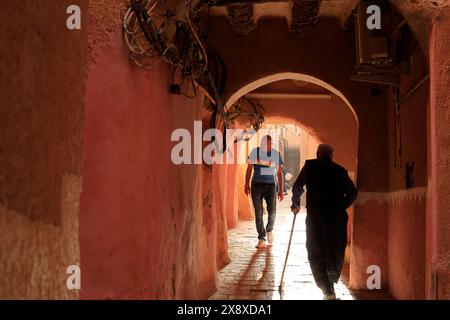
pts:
pixel 256 273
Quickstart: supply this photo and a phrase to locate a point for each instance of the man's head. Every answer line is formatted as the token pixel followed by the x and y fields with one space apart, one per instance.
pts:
pixel 324 151
pixel 266 143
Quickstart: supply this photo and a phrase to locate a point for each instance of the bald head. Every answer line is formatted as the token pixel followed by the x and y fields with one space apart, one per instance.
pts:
pixel 324 151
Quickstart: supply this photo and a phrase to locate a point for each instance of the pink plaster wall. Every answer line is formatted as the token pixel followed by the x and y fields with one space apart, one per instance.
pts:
pixel 406 215
pixel 245 206
pixel 369 242
pixel 232 186
pixel 220 190
pixel 143 235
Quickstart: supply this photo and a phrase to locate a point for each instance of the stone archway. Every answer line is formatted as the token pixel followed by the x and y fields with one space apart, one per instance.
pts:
pixel 287 75
pixel 309 115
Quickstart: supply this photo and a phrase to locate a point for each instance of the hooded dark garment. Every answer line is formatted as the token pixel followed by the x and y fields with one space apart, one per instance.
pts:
pixel 330 191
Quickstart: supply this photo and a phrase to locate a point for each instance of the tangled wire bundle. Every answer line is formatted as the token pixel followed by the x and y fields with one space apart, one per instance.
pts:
pixel 153 34
pixel 253 118
pixel 142 52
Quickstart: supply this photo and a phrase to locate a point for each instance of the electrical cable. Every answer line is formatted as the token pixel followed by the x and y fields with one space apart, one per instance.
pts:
pixel 145 41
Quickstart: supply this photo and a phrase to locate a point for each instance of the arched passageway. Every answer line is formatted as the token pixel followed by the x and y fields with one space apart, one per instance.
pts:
pixel 316 113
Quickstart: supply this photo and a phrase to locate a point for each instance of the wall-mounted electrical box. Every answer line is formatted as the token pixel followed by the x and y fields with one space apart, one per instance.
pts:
pixel 372 45
pixel 376 58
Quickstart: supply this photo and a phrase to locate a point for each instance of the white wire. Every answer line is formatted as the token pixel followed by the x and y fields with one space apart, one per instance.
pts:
pixel 141 53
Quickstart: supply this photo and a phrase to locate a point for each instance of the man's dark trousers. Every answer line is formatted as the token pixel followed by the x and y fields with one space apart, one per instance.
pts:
pixel 326 240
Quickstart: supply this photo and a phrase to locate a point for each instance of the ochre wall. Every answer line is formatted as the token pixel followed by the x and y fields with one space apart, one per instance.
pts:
pixel 42 80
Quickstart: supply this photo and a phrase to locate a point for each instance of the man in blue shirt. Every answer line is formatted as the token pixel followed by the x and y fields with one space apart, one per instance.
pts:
pixel 267 164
